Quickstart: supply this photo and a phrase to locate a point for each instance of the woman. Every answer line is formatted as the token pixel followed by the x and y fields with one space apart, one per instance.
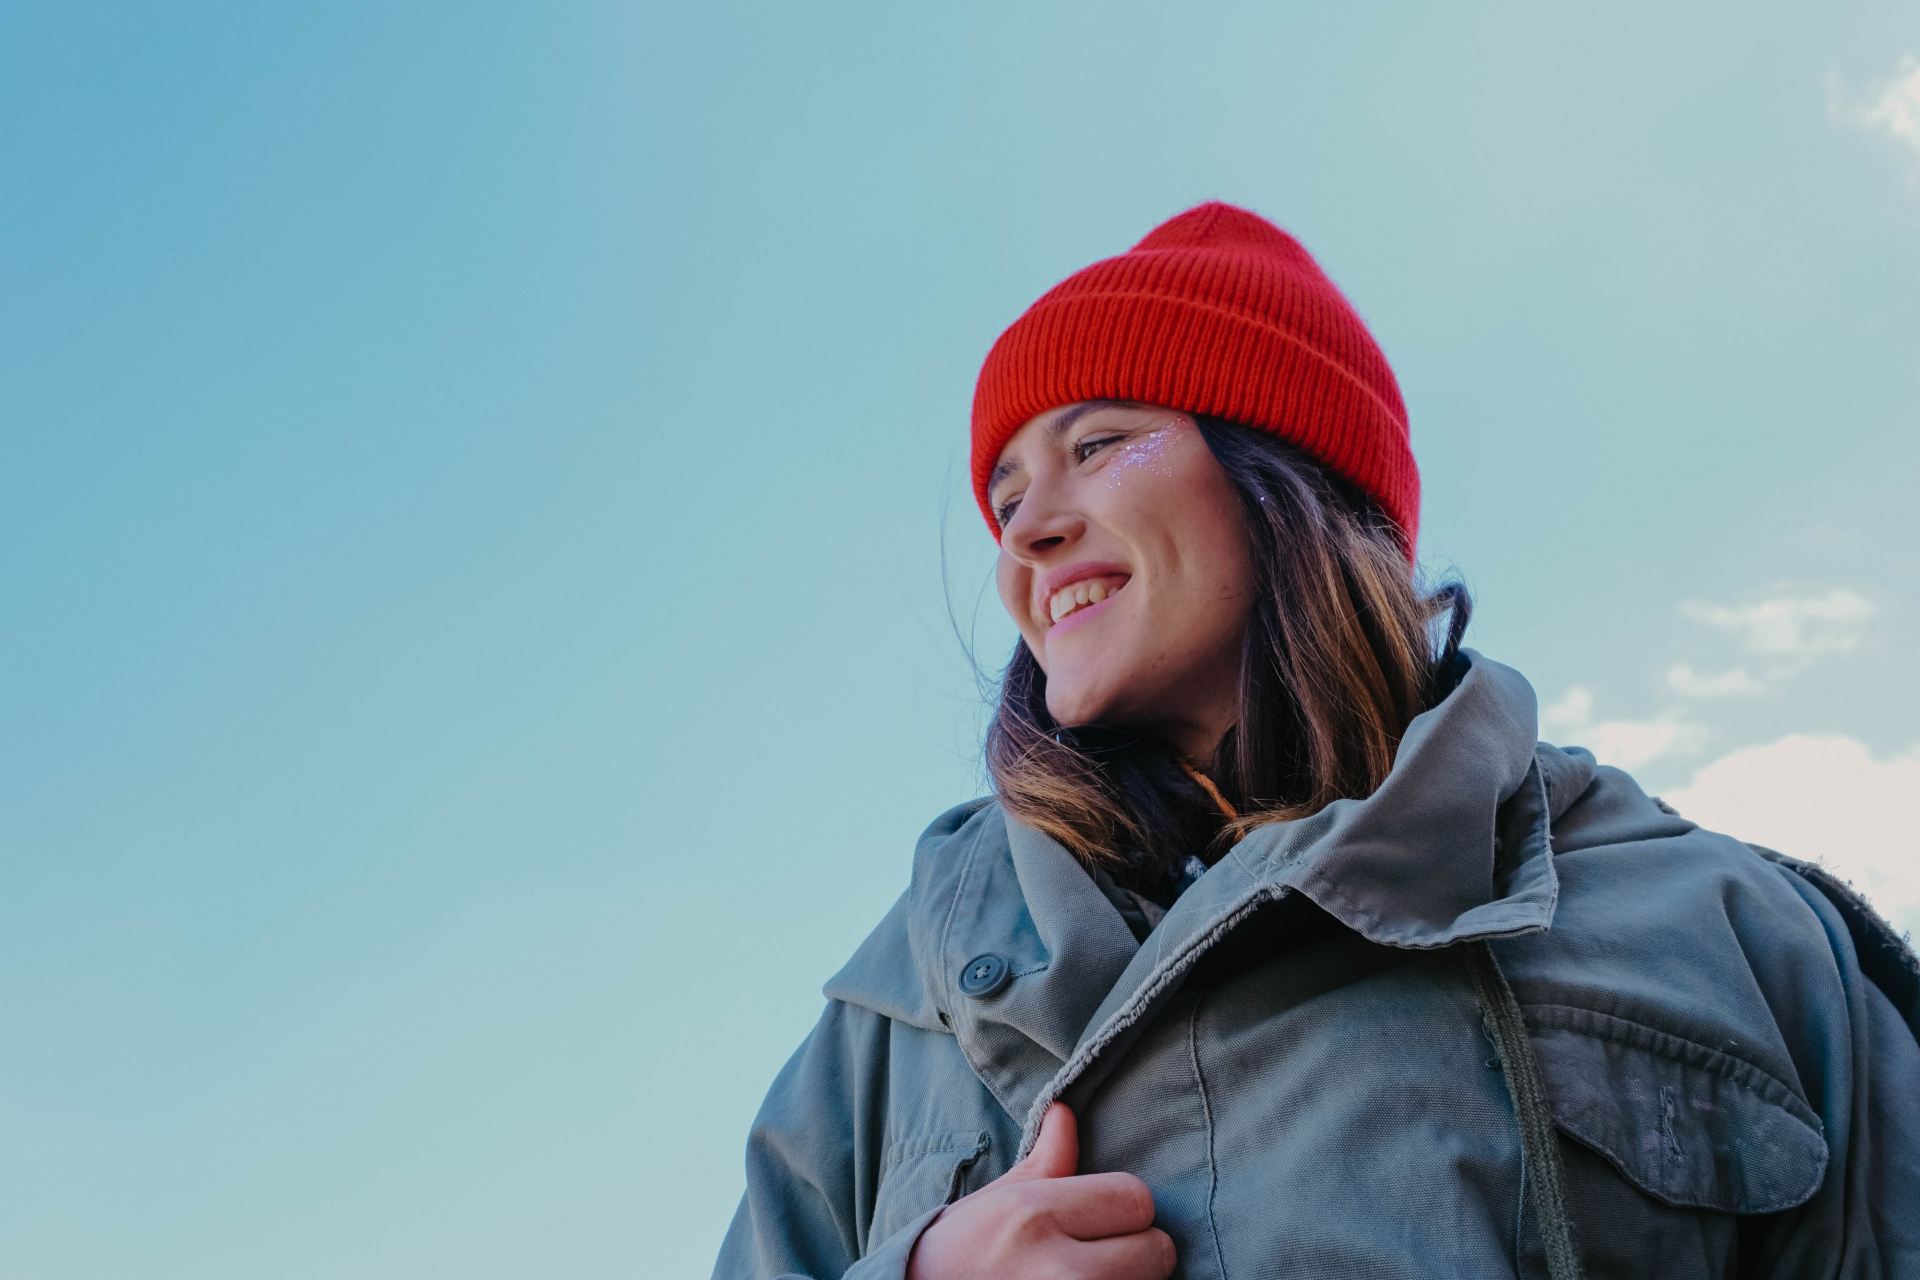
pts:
pixel 1283 946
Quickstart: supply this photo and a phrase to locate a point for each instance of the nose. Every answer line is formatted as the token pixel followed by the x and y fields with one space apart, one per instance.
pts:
pixel 1041 523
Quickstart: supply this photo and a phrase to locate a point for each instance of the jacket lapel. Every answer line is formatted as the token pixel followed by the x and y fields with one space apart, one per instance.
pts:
pixel 1019 895
pixel 1452 846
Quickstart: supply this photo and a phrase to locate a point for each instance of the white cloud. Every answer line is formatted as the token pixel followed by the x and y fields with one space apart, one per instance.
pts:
pixel 1738 682
pixel 1821 797
pixel 1890 108
pixel 1817 796
pixel 1628 744
pixel 1893 108
pixel 1574 709
pixel 1786 632
pixel 1625 744
pixel 1793 626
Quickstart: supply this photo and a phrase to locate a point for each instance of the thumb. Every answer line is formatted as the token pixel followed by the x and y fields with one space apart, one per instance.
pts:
pixel 1056 1150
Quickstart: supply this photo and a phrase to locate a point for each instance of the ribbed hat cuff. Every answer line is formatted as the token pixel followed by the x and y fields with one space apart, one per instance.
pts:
pixel 1196 358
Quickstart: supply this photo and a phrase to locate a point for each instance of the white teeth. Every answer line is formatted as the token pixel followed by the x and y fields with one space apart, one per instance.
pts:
pixel 1085 592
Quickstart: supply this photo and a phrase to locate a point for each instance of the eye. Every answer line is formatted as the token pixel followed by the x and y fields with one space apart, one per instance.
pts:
pixel 1084 448
pixel 1005 511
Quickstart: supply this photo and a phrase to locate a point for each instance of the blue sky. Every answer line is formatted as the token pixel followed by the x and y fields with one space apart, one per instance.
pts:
pixel 483 495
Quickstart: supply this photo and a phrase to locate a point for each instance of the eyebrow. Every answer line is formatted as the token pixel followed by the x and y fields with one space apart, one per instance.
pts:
pixel 1057 428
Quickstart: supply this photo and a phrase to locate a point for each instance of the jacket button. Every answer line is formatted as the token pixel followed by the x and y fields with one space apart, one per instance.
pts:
pixel 986 974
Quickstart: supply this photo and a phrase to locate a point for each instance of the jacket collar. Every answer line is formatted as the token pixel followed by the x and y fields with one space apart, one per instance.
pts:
pixel 1452 846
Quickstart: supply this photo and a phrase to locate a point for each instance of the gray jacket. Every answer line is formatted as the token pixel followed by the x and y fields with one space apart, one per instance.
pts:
pixel 1304 1058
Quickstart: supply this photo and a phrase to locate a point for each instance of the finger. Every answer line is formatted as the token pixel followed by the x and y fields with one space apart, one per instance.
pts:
pixel 1056 1148
pixel 1144 1255
pixel 1090 1206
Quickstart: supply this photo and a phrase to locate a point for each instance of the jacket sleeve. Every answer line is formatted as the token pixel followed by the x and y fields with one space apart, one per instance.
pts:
pixel 812 1163
pixel 1864 1221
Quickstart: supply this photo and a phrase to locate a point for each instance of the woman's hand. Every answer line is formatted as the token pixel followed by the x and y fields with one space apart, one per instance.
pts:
pixel 1039 1218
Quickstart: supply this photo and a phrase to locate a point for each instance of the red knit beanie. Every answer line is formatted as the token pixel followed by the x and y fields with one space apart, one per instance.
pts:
pixel 1216 311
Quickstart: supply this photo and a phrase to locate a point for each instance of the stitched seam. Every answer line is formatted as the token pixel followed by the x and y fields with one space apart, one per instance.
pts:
pixel 1136 1006
pixel 1639 1037
pixel 1546 783
pixel 1520 1213
pixel 1594 1142
pixel 1688 1053
pixel 1539 1138
pixel 1374 927
pixel 946 980
pixel 1565 849
pixel 953 910
pixel 1206 1114
pixel 928 1145
pixel 967 1158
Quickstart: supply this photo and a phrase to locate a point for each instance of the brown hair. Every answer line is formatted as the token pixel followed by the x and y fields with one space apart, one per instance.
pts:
pixel 1337 660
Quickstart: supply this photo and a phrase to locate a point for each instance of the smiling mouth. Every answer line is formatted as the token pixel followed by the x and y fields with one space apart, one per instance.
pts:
pixel 1083 594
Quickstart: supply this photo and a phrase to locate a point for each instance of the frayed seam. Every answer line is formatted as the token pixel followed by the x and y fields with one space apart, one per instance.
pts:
pixel 1134 1009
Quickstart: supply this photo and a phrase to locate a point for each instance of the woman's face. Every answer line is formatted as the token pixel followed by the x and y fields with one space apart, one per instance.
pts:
pixel 1124 563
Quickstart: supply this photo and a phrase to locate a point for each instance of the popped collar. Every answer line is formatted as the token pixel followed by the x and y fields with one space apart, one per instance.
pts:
pixel 1693 1037
pixel 1453 846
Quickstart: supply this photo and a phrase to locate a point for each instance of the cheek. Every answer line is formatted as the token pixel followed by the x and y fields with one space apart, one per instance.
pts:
pixel 1014 584
pixel 1206 544
pixel 1228 561
pixel 1168 482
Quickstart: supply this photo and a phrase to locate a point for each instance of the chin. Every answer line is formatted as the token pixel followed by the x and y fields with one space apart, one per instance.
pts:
pixel 1067 711
pixel 1072 706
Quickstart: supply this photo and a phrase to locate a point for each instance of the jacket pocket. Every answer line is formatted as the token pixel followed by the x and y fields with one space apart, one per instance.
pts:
pixel 1671 1141
pixel 920 1173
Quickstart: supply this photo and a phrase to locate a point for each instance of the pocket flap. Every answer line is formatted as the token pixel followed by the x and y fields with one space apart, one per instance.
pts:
pixel 1691 1126
pixel 919 1173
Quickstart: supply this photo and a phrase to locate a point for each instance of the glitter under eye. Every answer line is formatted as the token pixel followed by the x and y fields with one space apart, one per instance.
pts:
pixel 1143 453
